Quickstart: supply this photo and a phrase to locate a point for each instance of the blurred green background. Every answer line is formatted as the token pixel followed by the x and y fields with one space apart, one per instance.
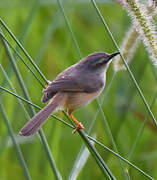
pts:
pixel 40 26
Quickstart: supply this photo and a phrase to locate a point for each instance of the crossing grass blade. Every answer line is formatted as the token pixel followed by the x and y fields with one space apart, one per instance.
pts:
pixel 90 138
pixel 79 54
pixel 16 146
pixel 125 63
pixel 32 111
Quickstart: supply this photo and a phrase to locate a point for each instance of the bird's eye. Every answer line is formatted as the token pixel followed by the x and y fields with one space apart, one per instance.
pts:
pixel 99 62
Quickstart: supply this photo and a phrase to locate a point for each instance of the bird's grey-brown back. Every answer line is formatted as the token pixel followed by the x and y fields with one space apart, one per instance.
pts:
pixel 88 75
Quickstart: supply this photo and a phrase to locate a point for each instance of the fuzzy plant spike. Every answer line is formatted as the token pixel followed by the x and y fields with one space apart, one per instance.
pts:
pixel 128 48
pixel 154 11
pixel 144 25
pixel 151 6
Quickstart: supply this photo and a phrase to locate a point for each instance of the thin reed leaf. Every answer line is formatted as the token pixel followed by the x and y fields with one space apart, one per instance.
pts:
pixel 125 63
pixel 26 27
pixel 128 176
pixel 97 142
pixel 44 141
pixel 93 151
pixel 131 96
pixel 96 156
pixel 80 162
pixel 24 51
pixel 109 133
pixel 13 89
pixel 16 146
pixel 125 160
pixel 56 22
pixel 49 155
pixel 105 170
pixel 138 136
pixel 70 31
pixel 31 15
pixel 141 129
pixel 69 28
pixel 41 134
pixel 29 102
pixel 11 58
pixel 20 57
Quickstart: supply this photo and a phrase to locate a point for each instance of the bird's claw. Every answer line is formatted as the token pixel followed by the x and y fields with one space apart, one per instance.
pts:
pixel 79 126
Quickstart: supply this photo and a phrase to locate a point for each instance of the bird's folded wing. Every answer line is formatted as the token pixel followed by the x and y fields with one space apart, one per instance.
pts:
pixel 70 84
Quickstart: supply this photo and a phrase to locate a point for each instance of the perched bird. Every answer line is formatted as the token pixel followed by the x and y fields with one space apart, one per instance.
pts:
pixel 75 87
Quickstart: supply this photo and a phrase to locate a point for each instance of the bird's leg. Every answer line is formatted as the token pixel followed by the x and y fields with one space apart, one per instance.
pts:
pixel 47 83
pixel 79 125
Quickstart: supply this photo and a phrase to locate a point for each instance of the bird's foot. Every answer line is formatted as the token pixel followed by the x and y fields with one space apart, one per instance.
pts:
pixel 79 126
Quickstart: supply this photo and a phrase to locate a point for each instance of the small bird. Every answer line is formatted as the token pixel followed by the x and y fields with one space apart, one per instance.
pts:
pixel 75 87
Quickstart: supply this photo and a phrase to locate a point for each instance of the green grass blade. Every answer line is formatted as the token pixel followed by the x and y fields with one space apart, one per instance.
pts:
pixel 55 23
pixel 80 162
pixel 17 148
pixel 13 89
pixel 30 103
pixel 31 15
pixel 49 155
pixel 117 155
pixel 140 131
pixel 44 141
pixel 11 58
pixel 97 142
pixel 125 63
pixel 91 148
pixel 96 155
pixel 24 51
pixel 20 57
pixel 109 133
pixel 69 28
pixel 93 151
pixel 79 53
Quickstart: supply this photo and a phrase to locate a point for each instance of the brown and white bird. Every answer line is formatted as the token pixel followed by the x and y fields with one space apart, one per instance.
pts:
pixel 75 87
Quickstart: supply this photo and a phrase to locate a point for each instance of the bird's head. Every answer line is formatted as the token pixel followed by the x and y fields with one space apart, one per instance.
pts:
pixel 98 61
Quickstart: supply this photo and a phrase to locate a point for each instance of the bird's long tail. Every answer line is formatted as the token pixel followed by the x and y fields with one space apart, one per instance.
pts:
pixel 35 123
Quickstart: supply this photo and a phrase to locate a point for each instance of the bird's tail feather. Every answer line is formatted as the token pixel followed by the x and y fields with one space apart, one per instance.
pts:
pixel 35 123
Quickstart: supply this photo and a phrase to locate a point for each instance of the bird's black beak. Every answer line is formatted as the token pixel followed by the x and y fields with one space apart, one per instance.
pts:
pixel 112 55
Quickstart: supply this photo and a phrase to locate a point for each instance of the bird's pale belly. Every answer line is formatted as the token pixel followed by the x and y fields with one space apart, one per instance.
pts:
pixel 77 100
